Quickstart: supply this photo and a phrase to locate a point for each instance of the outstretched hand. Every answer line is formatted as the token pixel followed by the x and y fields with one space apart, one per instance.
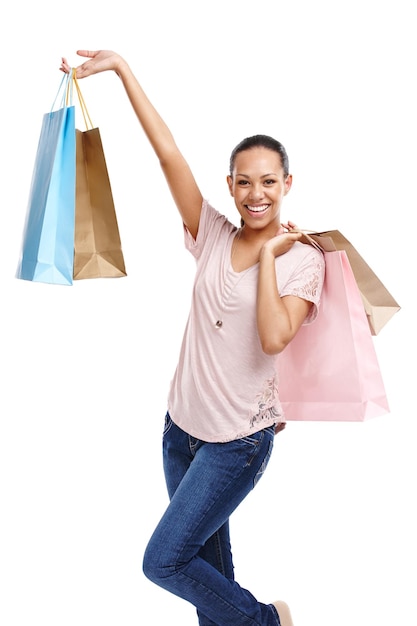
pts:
pixel 98 61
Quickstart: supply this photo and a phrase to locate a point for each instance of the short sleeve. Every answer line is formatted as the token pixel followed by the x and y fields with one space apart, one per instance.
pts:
pixel 211 223
pixel 306 281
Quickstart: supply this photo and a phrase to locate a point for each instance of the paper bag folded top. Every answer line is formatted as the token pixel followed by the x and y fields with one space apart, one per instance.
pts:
pixel 379 304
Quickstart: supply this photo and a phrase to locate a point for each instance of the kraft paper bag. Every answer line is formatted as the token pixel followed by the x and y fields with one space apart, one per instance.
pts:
pixel 330 370
pixel 97 245
pixel 47 253
pixel 379 304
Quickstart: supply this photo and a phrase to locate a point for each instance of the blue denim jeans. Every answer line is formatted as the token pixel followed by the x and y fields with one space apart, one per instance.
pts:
pixel 189 553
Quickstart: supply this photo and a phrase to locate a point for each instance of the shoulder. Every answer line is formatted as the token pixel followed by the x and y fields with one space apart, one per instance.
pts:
pixel 210 212
pixel 213 226
pixel 212 219
pixel 303 255
pixel 305 250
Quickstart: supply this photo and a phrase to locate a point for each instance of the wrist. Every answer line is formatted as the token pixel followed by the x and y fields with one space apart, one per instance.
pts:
pixel 121 67
pixel 266 254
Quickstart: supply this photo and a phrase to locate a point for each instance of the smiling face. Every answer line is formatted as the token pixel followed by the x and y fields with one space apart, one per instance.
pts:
pixel 258 184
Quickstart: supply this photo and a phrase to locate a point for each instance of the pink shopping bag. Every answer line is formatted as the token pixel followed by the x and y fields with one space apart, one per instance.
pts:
pixel 330 370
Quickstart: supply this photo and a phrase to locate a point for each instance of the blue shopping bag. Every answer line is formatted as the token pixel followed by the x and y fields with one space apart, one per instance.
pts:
pixel 47 253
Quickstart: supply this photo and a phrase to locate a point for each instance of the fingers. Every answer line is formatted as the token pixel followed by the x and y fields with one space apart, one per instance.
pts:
pixel 65 66
pixel 87 53
pixel 97 61
pixel 290 226
pixel 279 427
pixel 81 70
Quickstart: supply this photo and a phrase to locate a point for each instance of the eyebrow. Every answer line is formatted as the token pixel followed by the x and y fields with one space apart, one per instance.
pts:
pixel 263 175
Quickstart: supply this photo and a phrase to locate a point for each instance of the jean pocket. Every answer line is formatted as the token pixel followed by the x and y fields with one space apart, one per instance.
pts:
pixel 257 442
pixel 265 462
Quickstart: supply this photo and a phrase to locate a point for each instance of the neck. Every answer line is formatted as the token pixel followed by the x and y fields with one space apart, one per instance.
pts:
pixel 251 235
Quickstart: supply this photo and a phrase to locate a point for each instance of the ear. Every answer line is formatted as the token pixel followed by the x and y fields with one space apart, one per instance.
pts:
pixel 230 184
pixel 287 184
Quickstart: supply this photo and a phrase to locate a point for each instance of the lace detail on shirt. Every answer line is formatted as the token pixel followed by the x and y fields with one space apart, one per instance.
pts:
pixel 309 291
pixel 267 404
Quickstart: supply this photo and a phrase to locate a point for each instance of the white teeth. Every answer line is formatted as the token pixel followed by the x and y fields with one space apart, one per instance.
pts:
pixel 257 209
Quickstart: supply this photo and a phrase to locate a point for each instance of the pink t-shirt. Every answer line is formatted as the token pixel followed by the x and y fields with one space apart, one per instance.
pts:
pixel 225 387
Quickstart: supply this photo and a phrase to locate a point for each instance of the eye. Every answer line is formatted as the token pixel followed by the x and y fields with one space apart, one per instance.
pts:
pixel 270 181
pixel 242 182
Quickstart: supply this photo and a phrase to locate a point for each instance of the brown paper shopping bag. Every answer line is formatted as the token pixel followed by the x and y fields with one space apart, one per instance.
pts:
pixel 379 304
pixel 97 246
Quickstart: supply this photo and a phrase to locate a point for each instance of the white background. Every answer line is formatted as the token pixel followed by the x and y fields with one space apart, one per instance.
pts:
pixel 86 369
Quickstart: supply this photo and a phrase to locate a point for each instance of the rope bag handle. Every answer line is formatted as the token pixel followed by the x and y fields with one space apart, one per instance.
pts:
pixel 83 106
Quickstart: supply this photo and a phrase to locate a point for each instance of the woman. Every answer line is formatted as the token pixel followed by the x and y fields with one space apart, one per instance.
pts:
pixel 254 287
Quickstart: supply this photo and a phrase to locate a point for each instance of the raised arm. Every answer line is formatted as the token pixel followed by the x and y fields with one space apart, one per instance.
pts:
pixel 182 184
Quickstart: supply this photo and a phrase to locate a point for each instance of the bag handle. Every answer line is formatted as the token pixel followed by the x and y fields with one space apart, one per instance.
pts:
pixel 310 240
pixel 66 98
pixel 83 106
pixel 67 84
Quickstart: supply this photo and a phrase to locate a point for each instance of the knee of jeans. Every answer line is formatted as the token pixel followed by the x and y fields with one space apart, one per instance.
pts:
pixel 156 565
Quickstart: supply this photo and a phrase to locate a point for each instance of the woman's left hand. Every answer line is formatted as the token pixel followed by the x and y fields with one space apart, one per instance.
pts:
pixel 279 427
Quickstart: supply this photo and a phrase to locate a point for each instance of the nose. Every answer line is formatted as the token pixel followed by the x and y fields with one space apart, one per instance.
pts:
pixel 256 191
